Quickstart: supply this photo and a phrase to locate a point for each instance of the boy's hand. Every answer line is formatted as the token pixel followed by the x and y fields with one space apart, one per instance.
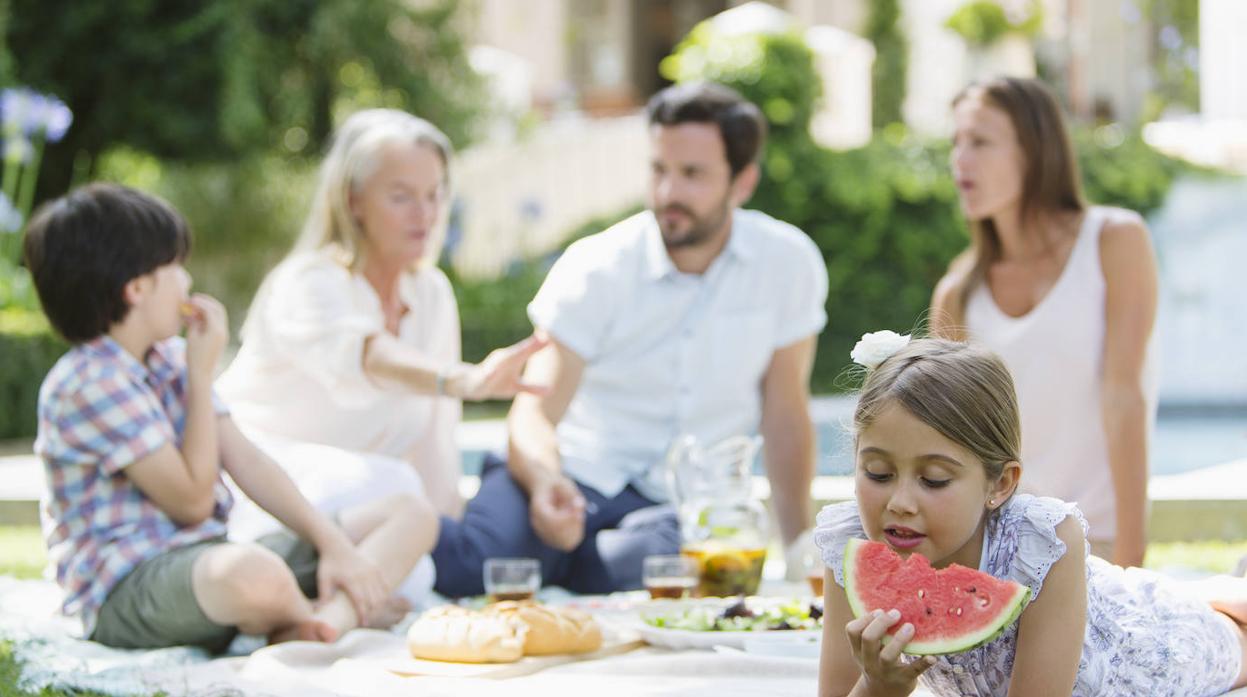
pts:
pixel 343 567
pixel 884 670
pixel 207 330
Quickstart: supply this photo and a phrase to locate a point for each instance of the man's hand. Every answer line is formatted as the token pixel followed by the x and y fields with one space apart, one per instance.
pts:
pixel 207 330
pixel 499 376
pixel 556 509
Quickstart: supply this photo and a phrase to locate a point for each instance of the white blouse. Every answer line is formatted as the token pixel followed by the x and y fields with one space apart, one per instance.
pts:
pixel 299 374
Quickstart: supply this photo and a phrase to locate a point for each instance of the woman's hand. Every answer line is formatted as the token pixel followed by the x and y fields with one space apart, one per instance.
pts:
pixel 884 670
pixel 499 376
pixel 343 568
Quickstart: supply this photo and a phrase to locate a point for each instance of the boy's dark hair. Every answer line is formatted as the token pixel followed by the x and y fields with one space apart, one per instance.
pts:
pixel 740 122
pixel 83 248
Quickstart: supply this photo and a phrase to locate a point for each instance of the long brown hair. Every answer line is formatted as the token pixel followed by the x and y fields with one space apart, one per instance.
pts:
pixel 1051 182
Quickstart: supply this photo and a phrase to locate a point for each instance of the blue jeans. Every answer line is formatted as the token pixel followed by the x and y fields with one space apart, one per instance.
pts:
pixel 619 533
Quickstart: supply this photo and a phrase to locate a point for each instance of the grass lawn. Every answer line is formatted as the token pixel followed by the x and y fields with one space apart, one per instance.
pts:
pixel 22 555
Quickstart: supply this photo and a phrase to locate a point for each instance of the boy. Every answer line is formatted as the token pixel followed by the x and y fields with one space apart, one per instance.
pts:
pixel 133 441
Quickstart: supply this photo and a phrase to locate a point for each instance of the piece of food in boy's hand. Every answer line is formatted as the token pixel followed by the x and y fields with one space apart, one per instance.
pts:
pixel 952 610
pixel 187 309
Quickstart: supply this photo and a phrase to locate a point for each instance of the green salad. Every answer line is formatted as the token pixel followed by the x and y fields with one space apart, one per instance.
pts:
pixel 740 617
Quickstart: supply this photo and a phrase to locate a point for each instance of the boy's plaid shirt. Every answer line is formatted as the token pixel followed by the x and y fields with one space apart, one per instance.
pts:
pixel 101 410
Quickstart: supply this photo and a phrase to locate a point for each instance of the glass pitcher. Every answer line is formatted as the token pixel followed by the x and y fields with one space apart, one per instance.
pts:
pixel 722 525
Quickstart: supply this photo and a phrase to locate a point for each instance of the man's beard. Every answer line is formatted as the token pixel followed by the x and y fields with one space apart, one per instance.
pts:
pixel 700 230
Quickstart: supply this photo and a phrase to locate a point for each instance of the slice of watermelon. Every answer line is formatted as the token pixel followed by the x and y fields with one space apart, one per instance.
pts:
pixel 952 610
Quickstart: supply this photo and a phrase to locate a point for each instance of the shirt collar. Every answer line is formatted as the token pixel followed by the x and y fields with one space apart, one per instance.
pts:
pixel 658 263
pixel 158 364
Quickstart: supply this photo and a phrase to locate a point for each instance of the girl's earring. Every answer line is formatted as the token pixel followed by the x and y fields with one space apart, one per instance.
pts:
pixel 991 503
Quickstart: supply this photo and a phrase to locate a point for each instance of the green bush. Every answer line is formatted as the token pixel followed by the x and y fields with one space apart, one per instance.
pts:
pixel 984 22
pixel 30 350
pixel 888 74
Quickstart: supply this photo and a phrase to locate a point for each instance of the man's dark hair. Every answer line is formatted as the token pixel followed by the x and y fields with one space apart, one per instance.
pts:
pixel 740 122
pixel 84 247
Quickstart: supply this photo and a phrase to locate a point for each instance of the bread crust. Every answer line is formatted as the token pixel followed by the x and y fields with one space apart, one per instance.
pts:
pixel 502 633
pixel 452 633
pixel 552 630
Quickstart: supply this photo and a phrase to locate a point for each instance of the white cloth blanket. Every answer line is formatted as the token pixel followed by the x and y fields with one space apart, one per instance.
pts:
pixel 365 662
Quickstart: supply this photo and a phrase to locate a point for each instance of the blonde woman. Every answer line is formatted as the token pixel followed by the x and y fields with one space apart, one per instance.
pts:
pixel 349 372
pixel 1066 294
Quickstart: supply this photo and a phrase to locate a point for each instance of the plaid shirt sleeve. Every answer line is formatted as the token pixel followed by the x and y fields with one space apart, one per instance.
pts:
pixel 113 421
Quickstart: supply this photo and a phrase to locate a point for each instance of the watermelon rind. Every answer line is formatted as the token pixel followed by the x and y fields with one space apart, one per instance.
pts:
pixel 1009 612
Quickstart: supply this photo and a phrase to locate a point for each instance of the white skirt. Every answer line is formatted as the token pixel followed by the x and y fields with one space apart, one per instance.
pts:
pixel 333 479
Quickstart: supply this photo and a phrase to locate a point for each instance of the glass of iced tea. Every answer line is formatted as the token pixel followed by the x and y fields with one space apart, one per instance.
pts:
pixel 814 569
pixel 512 579
pixel 669 575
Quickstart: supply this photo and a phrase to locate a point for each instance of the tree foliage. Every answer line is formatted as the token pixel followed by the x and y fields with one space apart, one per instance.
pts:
pixel 891 62
pixel 214 81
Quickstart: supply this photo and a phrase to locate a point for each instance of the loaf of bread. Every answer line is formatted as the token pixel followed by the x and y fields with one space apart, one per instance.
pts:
pixel 551 630
pixel 501 633
pixel 452 633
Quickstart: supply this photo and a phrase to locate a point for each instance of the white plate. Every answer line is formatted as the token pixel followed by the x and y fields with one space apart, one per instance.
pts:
pixel 688 639
pixel 691 639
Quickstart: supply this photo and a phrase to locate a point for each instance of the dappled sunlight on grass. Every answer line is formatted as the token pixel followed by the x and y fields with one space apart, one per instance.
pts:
pixel 1212 555
pixel 22 553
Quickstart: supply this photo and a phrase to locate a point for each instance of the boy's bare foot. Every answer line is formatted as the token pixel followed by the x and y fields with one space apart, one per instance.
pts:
pixel 307 630
pixel 391 612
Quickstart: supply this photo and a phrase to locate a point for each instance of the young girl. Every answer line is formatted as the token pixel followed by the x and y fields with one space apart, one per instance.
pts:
pixel 937 441
pixel 1066 294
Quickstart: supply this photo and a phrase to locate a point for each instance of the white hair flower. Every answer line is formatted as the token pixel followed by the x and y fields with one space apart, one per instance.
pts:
pixel 877 347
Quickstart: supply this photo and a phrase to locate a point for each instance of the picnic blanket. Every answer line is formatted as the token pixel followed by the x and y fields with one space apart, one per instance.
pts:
pixel 374 663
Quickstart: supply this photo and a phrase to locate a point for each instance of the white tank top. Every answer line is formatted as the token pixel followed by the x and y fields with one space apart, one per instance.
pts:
pixel 1055 353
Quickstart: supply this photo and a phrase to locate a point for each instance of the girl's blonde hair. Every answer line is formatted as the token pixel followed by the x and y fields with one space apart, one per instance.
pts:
pixel 354 157
pixel 965 392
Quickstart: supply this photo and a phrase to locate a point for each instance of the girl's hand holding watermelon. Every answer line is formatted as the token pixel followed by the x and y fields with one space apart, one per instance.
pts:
pixel 884 669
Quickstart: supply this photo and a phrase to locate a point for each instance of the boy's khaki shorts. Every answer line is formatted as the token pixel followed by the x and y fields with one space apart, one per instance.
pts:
pixel 154 605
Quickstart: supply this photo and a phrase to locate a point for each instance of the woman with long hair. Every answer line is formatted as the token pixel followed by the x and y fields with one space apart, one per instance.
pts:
pixel 1066 293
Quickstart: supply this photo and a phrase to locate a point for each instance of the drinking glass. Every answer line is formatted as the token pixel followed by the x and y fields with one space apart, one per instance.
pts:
pixel 512 579
pixel 669 575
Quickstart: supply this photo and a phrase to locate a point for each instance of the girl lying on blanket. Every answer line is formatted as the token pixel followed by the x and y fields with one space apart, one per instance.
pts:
pixel 937 442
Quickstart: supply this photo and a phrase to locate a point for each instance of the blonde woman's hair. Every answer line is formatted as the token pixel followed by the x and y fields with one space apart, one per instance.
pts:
pixel 354 157
pixel 963 391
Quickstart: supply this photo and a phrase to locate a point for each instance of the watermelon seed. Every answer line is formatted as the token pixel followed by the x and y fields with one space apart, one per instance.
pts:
pixel 959 612
pixel 983 602
pixel 929 611
pixel 921 593
pixel 970 589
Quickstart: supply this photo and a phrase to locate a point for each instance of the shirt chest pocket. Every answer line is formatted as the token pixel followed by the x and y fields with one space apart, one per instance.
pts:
pixel 741 344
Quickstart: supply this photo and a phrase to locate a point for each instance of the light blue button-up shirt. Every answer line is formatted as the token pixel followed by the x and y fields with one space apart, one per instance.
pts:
pixel 668 353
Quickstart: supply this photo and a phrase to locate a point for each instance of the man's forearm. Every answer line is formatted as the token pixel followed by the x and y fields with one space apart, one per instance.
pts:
pixel 790 469
pixel 533 450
